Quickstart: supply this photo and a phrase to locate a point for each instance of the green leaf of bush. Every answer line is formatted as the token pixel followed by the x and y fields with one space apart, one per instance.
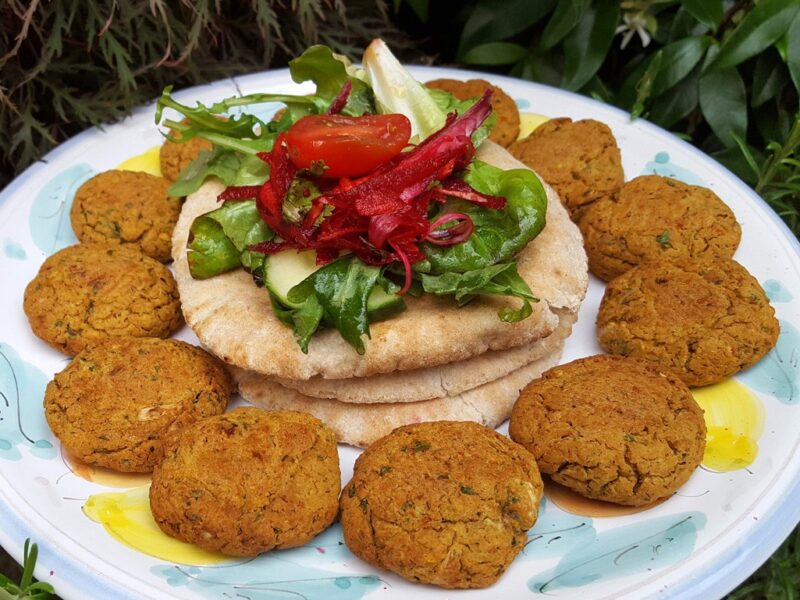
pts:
pixel 678 60
pixel 723 102
pixel 495 53
pixel 793 50
pixel 586 45
pixel 677 103
pixel 760 28
pixel 564 19
pixel 769 78
pixel 491 20
pixel 708 12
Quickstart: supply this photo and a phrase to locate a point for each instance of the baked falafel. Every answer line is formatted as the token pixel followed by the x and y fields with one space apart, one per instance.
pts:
pixel 128 208
pixel 88 292
pixel 653 218
pixel 611 428
pixel 703 319
pixel 248 481
pixel 117 401
pixel 445 502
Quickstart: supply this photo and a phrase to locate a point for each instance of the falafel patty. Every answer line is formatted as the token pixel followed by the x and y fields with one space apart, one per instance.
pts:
pixel 580 159
pixel 656 218
pixel 128 208
pixel 446 502
pixel 118 400
pixel 248 481
pixel 88 292
pixel 176 156
pixel 611 428
pixel 703 319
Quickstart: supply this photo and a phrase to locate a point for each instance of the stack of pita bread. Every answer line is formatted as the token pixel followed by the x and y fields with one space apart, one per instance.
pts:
pixel 433 361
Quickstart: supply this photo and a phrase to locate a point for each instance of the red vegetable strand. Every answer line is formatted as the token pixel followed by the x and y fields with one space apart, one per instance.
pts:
pixel 338 103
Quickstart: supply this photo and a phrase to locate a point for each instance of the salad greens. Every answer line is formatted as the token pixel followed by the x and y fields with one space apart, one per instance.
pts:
pixel 338 293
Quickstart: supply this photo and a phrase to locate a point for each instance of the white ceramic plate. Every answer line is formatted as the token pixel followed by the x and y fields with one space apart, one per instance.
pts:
pixel 700 543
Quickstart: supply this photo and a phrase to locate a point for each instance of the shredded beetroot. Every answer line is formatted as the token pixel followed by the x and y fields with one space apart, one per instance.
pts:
pixel 381 217
pixel 239 192
pixel 338 103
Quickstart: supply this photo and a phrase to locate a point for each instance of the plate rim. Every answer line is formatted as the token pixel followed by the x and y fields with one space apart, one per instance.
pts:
pixel 722 575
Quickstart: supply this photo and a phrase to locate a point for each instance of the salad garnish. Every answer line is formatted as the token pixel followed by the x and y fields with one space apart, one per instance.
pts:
pixel 378 205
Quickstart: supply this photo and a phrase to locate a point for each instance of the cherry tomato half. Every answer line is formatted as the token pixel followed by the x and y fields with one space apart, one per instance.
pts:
pixel 349 146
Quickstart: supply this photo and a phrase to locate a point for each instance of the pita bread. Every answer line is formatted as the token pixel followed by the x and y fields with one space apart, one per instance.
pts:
pixel 434 382
pixel 361 424
pixel 233 318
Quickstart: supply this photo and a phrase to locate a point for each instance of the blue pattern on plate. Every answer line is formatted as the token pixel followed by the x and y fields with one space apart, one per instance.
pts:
pixel 13 250
pixel 557 532
pixel 622 551
pixel 22 420
pixel 49 216
pixel 290 574
pixel 776 373
pixel 776 292
pixel 661 165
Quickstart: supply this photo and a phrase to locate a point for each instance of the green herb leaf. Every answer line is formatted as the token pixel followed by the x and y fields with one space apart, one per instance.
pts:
pixel 759 29
pixel 341 288
pixel 723 102
pixel 499 234
pixel 678 102
pixel 217 237
pixel 230 167
pixel 663 240
pixel 586 45
pixel 330 72
pixel 495 53
pixel 563 20
pixel 708 12
pixel 500 280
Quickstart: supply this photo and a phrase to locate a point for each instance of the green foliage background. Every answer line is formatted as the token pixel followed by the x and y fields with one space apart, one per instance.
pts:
pixel 723 74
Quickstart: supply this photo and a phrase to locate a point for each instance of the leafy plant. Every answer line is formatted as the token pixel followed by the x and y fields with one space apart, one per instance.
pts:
pixel 28 588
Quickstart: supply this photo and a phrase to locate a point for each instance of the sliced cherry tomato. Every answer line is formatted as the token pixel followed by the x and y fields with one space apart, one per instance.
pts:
pixel 348 146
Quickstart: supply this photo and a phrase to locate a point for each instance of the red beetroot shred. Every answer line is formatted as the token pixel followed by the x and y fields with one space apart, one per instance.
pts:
pixel 381 217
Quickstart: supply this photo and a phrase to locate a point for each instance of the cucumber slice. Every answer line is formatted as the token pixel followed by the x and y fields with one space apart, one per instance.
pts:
pixel 284 270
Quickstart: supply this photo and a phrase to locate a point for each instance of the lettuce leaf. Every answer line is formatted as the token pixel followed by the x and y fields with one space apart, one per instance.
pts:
pixel 218 240
pixel 449 103
pixel 499 234
pixel 501 279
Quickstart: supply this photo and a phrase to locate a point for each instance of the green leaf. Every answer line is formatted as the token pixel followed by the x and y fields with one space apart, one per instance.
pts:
pixel 708 12
pixel 220 162
pixel 499 234
pixel 586 45
pixel 563 20
pixel 723 101
pixel 679 58
pixel 329 73
pixel 773 122
pixel 342 288
pixel 644 87
pixel 759 29
pixel 501 279
pixel 793 51
pixel 495 53
pixel 677 103
pixel 769 78
pixel 420 8
pixel 733 159
pixel 218 240
pixel 491 20
pixel 304 319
